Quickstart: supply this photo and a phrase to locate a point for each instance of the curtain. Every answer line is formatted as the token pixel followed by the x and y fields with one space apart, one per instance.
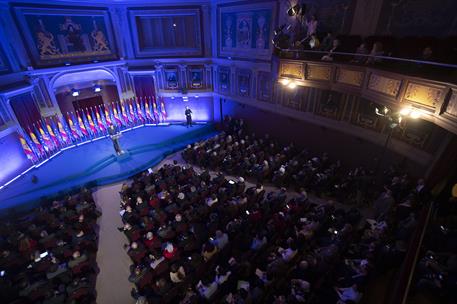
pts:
pixel 25 109
pixel 87 103
pixel 144 86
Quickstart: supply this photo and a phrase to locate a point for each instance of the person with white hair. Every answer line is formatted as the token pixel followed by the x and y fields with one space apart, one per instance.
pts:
pixel 188 113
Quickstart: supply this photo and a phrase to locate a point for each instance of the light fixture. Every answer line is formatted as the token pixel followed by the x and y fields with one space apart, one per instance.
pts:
pixel 415 114
pixel 97 89
pixel 174 24
pixel 67 63
pixel 172 97
pixel 284 81
pixel 405 111
pixel 292 85
pixel 196 96
pixel 74 93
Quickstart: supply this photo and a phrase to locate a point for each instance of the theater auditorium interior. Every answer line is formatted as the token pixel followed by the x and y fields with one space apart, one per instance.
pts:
pixel 228 151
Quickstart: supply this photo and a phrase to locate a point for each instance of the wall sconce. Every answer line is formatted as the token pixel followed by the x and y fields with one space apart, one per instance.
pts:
pixel 291 84
pixel 74 93
pixel 284 81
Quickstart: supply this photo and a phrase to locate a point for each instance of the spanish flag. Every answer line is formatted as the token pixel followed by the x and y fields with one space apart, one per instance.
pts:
pixel 37 144
pixel 107 116
pixel 27 150
pixel 82 127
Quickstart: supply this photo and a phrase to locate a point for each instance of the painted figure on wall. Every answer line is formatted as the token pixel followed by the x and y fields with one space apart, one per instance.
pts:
pixel 172 79
pixel 55 36
pixel 46 44
pixel 228 41
pixel 73 37
pixel 244 82
pixel 264 85
pixel 246 30
pixel 224 79
pixel 244 33
pixel 196 78
pixel 260 41
pixel 100 43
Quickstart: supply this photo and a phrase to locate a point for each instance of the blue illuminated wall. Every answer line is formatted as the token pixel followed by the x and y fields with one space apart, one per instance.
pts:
pixel 201 107
pixel 12 158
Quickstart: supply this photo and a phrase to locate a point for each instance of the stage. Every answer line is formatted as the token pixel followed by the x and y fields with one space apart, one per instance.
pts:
pixel 95 162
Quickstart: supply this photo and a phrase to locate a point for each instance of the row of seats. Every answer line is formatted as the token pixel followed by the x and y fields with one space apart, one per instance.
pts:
pixel 197 238
pixel 48 255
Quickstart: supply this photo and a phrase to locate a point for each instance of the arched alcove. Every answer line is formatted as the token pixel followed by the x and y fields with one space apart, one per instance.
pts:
pixel 84 82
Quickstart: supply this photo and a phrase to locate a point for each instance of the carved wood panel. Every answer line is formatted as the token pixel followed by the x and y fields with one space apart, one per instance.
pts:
pixel 293 70
pixel 424 95
pixel 384 85
pixel 350 77
pixel 318 72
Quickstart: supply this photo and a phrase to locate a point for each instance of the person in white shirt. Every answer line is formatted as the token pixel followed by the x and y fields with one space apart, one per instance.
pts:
pixel 177 273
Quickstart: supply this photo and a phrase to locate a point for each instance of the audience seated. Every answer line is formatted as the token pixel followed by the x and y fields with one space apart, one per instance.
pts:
pixel 245 245
pixel 49 254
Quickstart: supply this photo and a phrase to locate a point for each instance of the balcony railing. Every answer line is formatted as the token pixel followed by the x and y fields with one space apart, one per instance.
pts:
pixel 421 68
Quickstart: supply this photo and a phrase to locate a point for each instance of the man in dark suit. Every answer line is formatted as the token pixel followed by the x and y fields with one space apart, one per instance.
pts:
pixel 188 113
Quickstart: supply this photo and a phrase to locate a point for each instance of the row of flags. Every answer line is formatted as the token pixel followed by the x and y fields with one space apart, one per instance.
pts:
pixel 50 134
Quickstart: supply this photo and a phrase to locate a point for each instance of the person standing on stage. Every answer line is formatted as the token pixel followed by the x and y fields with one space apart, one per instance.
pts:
pixel 188 114
pixel 114 135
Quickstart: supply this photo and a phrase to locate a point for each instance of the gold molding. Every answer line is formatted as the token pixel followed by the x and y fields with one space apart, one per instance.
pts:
pixel 294 70
pixel 451 107
pixel 384 85
pixel 318 72
pixel 424 95
pixel 350 77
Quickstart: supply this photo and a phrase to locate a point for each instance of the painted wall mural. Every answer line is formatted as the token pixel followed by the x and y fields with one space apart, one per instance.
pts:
pixel 196 77
pixel 171 78
pixel 243 78
pixel 245 30
pixel 264 86
pixel 224 79
pixel 55 36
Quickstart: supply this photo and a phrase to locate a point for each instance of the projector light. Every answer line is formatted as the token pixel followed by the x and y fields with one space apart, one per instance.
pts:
pixel 97 89
pixel 74 93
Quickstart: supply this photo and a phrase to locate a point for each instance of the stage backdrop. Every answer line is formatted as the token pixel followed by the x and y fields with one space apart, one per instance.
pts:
pixel 201 107
pixel 56 36
pixel 245 29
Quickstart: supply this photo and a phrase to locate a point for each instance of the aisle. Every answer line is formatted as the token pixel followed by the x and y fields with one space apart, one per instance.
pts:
pixel 112 285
